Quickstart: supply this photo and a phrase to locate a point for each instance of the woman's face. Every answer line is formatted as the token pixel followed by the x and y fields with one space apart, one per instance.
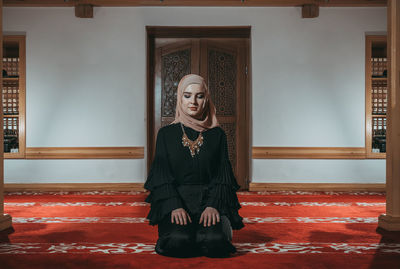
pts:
pixel 193 99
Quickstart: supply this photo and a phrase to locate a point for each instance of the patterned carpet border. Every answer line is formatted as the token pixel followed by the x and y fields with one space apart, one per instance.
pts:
pixel 35 193
pixel 249 220
pixel 111 204
pixel 145 248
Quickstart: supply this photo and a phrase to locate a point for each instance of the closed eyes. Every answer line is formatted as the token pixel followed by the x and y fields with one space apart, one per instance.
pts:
pixel 188 95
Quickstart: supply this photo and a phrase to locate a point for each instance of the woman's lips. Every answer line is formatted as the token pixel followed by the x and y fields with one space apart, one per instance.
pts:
pixel 193 108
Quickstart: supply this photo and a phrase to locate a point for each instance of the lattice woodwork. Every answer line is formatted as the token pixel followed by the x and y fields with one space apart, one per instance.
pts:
pixel 11 66
pixel 13 95
pixel 10 98
pixel 175 65
pixel 230 131
pixel 376 95
pixel 379 97
pixel 11 126
pixel 379 134
pixel 222 81
pixel 379 126
pixel 379 65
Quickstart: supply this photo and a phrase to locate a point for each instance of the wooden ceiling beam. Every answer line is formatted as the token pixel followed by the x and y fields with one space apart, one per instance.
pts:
pixel 310 11
pixel 248 3
pixel 84 11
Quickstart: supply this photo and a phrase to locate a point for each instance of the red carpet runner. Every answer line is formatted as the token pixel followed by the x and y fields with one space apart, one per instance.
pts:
pixel 283 230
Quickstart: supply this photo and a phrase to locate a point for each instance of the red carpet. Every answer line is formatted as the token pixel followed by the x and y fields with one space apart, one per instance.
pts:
pixel 283 230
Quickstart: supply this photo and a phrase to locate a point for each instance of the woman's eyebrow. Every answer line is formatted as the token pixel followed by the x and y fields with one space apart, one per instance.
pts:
pixel 187 93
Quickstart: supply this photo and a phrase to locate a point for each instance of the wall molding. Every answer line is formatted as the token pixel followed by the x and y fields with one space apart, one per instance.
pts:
pixel 138 153
pixel 316 187
pixel 258 3
pixel 308 153
pixel 74 187
pixel 85 153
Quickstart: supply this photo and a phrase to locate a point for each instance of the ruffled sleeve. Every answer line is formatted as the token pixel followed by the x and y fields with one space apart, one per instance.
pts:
pixel 163 196
pixel 222 190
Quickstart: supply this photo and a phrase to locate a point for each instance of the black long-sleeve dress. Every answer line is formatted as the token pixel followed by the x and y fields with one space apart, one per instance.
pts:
pixel 174 171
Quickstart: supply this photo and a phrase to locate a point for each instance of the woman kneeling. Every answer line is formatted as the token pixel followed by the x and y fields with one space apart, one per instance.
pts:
pixel 191 182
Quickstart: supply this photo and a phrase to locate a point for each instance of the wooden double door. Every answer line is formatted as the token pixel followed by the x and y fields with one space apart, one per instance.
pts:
pixel 223 64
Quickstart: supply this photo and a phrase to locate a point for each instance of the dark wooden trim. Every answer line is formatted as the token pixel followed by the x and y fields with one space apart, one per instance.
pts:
pixel 244 115
pixel 3 222
pixel 219 3
pixel 84 11
pixel 198 32
pixel 316 187
pixel 150 71
pixel 310 11
pixel 5 219
pixel 249 105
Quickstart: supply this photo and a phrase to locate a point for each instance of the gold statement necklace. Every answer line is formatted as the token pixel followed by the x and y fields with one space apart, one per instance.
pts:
pixel 194 146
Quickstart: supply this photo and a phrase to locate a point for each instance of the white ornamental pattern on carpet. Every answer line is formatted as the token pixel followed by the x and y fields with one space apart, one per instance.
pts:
pixel 80 193
pixel 80 220
pixel 309 220
pixel 147 248
pixel 144 220
pixel 110 204
pixel 79 204
pixel 319 204
pixel 357 193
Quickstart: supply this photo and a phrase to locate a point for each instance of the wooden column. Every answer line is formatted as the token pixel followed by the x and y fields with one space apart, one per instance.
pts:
pixel 5 220
pixel 391 220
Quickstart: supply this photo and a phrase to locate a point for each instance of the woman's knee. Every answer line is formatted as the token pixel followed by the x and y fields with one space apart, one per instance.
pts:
pixel 179 239
pixel 216 244
pixel 174 242
pixel 215 238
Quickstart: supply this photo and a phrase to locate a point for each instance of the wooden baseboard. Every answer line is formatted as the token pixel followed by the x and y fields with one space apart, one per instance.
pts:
pixel 316 187
pixel 75 187
pixel 389 223
pixel 140 187
pixel 5 221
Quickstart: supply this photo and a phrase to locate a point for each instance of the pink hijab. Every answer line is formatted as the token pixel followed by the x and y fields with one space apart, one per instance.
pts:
pixel 209 118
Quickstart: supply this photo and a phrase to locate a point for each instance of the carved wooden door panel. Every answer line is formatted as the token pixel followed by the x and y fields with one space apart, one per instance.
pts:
pixel 222 63
pixel 174 59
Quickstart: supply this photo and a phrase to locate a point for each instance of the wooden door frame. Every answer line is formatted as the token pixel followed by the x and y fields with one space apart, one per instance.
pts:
pixel 153 32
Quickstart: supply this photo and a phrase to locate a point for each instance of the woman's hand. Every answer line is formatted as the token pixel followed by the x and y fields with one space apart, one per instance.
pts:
pixel 209 216
pixel 180 216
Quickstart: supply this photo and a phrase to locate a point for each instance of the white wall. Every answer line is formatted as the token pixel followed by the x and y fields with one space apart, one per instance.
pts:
pixel 86 86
